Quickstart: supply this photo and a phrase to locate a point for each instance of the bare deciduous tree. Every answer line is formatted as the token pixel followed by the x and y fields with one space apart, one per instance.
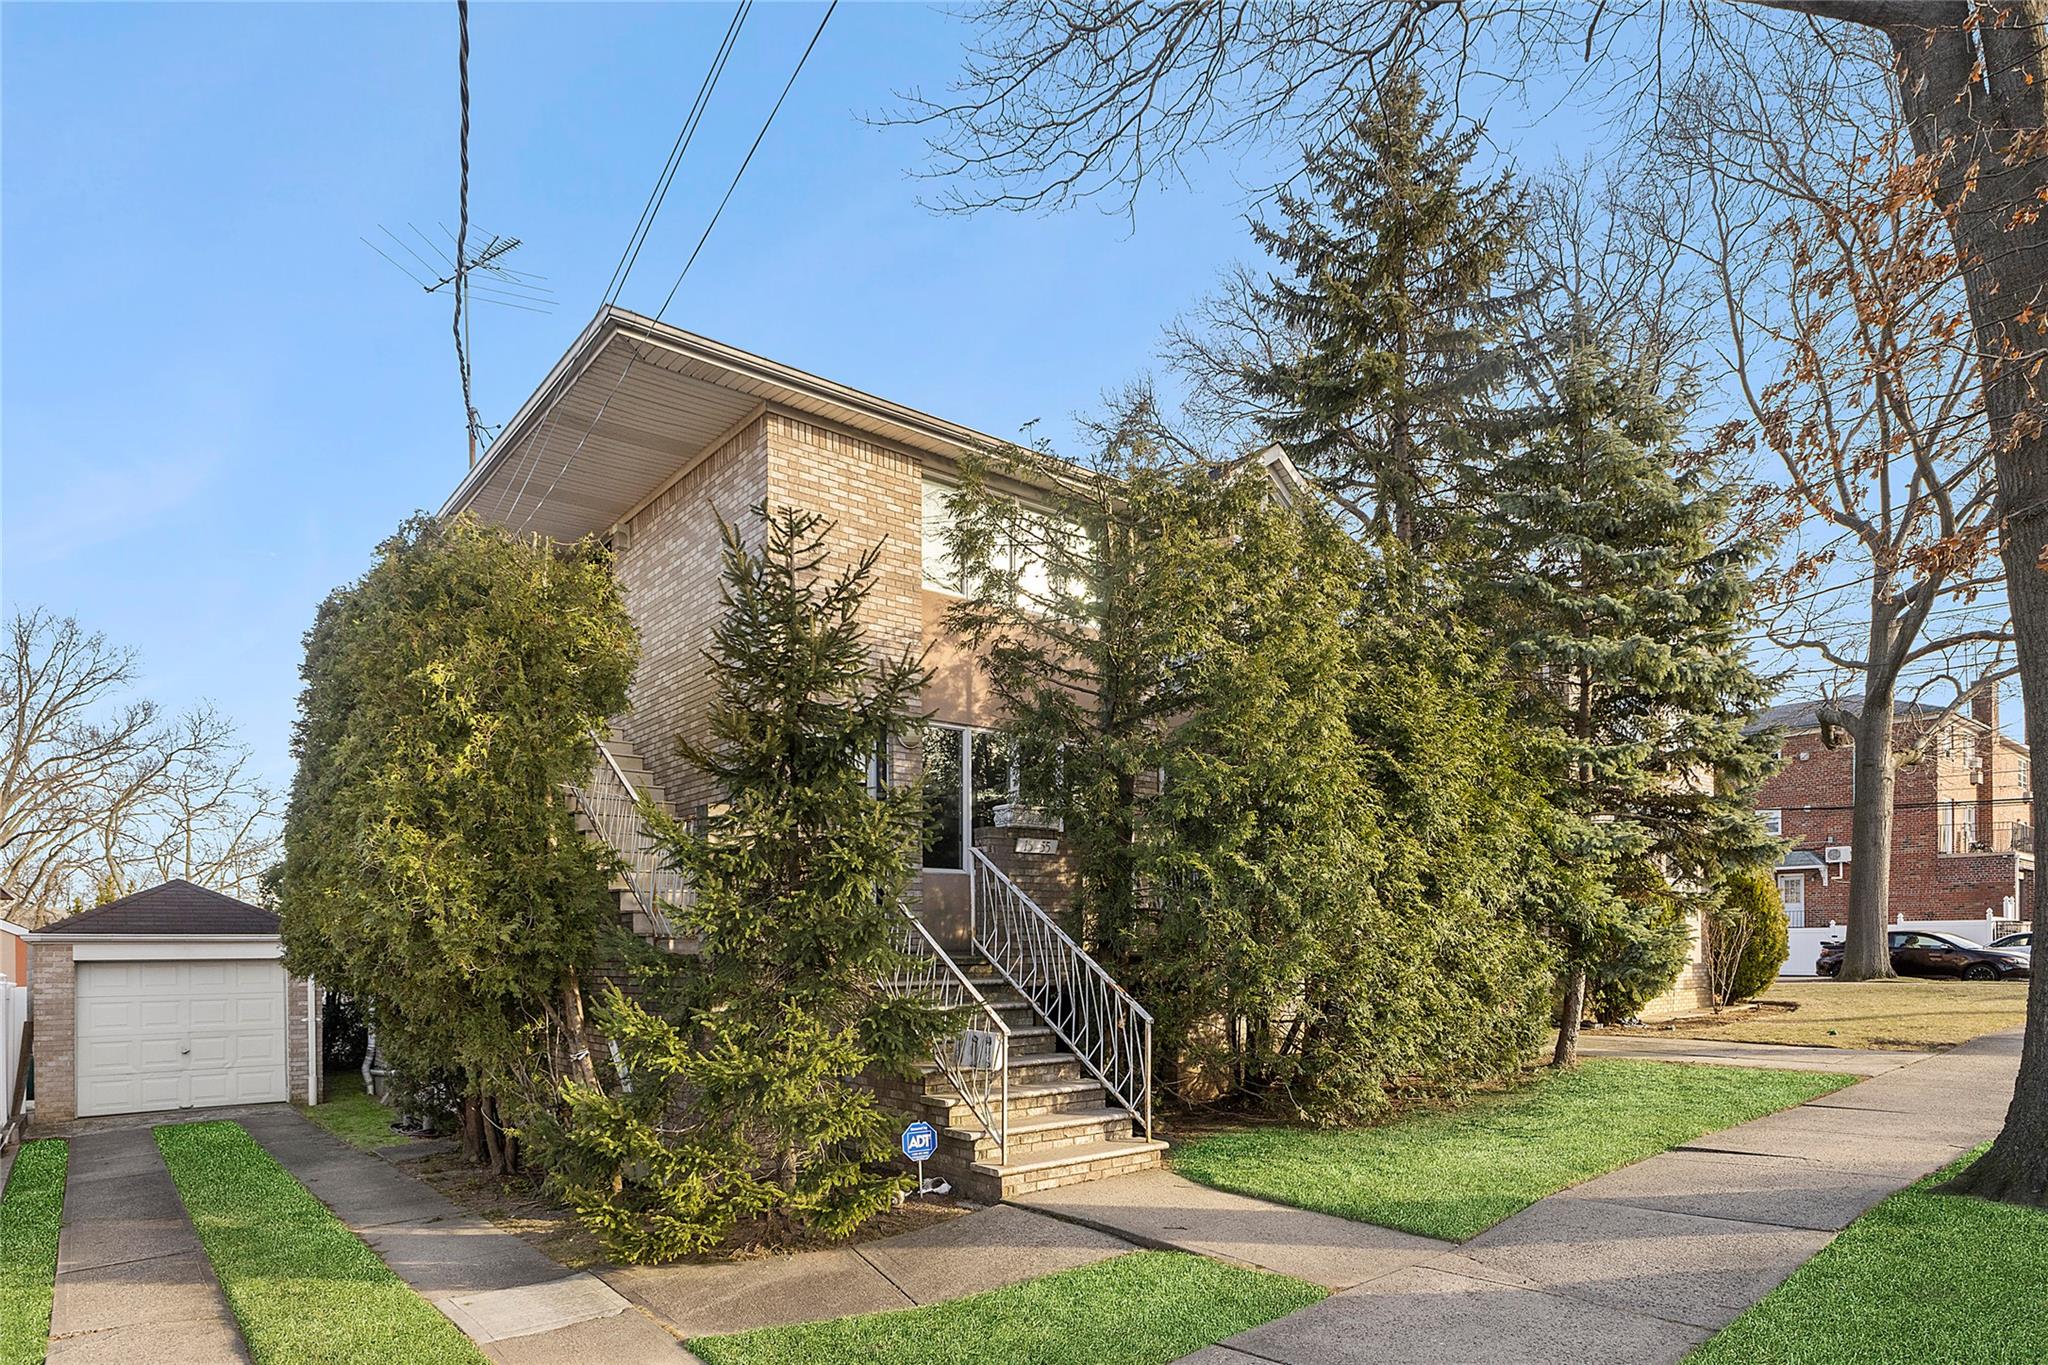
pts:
pixel 99 790
pixel 1847 340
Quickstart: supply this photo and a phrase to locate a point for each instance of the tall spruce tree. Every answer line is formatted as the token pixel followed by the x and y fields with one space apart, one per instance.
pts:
pixel 1390 316
pixel 1618 594
pixel 798 878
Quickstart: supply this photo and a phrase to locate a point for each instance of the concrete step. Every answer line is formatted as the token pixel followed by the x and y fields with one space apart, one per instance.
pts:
pixel 1067 1166
pixel 1026 1068
pixel 1044 1135
pixel 946 1109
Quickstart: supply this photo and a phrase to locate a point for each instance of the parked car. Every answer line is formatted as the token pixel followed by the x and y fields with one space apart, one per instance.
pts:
pixel 2024 941
pixel 1917 952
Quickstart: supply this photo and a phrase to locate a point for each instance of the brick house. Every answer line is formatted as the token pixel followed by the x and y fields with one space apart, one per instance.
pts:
pixel 646 435
pixel 1961 844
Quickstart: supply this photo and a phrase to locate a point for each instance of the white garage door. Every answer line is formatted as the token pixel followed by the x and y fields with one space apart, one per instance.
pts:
pixel 179 1035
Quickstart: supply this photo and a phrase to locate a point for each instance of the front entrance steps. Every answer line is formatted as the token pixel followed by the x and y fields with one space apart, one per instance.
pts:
pixel 1063 1129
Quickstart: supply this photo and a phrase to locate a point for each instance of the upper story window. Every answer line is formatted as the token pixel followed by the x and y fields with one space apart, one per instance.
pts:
pixel 939 569
pixel 1774 822
pixel 1041 540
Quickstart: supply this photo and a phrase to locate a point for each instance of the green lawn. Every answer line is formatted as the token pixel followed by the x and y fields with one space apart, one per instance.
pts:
pixel 1921 1277
pixel 351 1115
pixel 303 1287
pixel 1455 1173
pixel 31 1211
pixel 1146 1308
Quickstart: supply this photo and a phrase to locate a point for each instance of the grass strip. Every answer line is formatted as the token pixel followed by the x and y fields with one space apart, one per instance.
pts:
pixel 31 1213
pixel 1910 1013
pixel 1455 1173
pixel 351 1114
pixel 1921 1277
pixel 304 1288
pixel 1145 1308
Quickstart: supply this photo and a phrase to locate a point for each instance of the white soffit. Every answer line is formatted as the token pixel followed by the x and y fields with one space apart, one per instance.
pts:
pixel 635 402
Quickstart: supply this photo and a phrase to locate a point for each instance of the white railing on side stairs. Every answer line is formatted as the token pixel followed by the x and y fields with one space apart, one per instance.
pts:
pixel 610 802
pixel 1097 1019
pixel 977 1058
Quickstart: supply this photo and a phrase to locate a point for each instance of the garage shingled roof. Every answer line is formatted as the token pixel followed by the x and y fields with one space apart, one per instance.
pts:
pixel 176 907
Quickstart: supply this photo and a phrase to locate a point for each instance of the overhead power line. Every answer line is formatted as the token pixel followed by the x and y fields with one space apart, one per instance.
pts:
pixel 705 236
pixel 659 193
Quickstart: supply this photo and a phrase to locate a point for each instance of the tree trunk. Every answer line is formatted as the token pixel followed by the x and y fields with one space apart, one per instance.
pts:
pixel 488 1120
pixel 581 1066
pixel 471 1119
pixel 1974 79
pixel 1567 1051
pixel 1866 953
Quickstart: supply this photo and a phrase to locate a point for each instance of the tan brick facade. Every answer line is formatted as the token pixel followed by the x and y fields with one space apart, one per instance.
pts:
pixel 53 1004
pixel 667 557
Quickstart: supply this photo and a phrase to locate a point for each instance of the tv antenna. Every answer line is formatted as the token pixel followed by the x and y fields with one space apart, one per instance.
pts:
pixel 487 278
pixel 434 269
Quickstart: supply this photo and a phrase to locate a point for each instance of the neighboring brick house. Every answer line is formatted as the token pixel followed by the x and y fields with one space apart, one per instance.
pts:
pixel 1962 847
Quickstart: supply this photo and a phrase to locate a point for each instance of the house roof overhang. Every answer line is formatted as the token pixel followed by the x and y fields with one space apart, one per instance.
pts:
pixel 634 403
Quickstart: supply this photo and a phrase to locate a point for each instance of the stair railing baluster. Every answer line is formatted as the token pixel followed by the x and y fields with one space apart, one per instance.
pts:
pixel 1107 1030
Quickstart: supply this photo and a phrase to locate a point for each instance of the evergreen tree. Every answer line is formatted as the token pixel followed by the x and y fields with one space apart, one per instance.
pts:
pixel 432 867
pixel 1619 595
pixel 1293 832
pixel 798 879
pixel 1391 359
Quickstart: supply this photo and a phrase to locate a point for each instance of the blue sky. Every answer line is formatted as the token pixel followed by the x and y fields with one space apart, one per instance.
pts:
pixel 216 399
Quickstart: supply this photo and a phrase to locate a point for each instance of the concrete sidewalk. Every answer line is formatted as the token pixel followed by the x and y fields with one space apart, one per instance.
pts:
pixel 976 1252
pixel 133 1283
pixel 1643 1264
pixel 1643 1045
pixel 1160 1209
pixel 516 1303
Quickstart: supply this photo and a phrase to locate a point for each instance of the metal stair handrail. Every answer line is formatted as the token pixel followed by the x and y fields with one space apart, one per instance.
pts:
pixel 611 803
pixel 1097 1019
pixel 980 1072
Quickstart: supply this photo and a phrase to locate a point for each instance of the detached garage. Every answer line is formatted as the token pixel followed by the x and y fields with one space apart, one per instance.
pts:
pixel 172 998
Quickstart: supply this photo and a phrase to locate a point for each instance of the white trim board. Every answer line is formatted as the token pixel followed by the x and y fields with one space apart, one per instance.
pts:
pixel 192 949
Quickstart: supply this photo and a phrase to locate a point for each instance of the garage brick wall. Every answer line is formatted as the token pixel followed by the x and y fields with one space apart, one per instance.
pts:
pixel 53 1003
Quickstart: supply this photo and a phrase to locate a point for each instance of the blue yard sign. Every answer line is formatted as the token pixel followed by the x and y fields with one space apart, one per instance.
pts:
pixel 920 1141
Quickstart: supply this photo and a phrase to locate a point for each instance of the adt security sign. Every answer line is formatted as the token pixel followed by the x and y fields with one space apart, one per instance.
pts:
pixel 920 1141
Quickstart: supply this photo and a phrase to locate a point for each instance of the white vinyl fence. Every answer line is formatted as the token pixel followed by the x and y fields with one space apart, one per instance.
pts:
pixel 13 1013
pixel 1806 942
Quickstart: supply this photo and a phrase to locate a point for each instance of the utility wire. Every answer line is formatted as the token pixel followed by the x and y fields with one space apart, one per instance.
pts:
pixel 659 193
pixel 684 136
pixel 633 356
